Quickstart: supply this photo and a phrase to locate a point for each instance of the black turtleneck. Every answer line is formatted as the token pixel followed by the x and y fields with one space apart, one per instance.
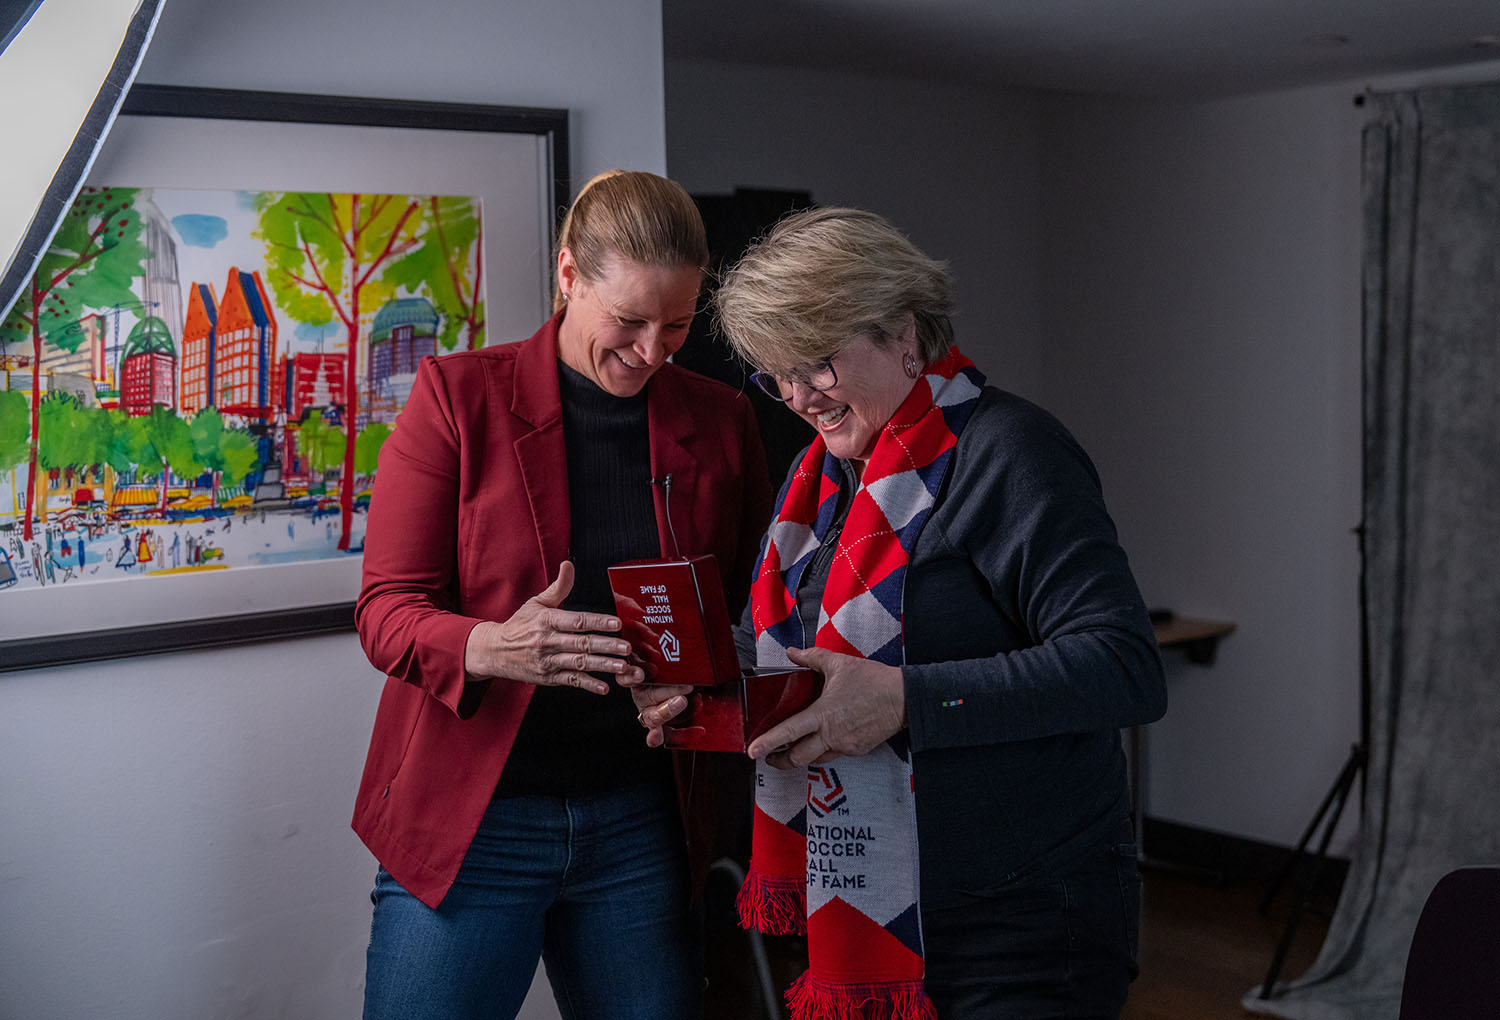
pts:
pixel 573 742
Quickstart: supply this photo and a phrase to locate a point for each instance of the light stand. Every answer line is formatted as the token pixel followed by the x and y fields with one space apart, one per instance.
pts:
pixel 1333 803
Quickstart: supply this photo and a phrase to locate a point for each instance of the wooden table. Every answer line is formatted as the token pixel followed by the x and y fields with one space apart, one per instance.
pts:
pixel 1197 638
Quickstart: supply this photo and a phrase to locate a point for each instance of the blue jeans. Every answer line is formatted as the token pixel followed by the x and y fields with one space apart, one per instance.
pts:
pixel 596 886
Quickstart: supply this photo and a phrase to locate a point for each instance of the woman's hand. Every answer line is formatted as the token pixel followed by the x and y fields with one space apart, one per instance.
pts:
pixel 542 643
pixel 863 704
pixel 659 704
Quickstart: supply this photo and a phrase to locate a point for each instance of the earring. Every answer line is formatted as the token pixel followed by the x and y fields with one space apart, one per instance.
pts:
pixel 909 363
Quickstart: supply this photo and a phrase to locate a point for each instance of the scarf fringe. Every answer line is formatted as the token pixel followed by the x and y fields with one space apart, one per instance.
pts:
pixel 776 906
pixel 812 999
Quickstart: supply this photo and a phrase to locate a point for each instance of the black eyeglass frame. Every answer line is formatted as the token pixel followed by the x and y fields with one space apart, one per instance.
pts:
pixel 770 382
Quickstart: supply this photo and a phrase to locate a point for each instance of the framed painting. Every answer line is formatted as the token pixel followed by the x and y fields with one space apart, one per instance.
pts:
pixel 196 382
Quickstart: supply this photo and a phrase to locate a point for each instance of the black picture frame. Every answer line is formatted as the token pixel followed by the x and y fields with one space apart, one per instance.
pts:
pixel 549 125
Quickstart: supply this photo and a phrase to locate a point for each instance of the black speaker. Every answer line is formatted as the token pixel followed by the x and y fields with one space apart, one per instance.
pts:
pixel 732 223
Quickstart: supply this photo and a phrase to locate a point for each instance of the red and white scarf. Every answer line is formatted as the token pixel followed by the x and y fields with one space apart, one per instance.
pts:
pixel 834 848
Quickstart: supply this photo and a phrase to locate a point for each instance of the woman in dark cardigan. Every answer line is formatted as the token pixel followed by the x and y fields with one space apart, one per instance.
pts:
pixel 949 823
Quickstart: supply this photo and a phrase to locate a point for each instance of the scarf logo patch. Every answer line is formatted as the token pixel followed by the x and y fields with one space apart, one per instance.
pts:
pixel 825 794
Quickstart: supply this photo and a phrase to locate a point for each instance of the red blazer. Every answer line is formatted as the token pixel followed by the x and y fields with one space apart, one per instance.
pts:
pixel 468 520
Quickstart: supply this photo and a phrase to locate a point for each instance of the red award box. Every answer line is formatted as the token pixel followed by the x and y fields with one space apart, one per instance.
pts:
pixel 728 717
pixel 673 614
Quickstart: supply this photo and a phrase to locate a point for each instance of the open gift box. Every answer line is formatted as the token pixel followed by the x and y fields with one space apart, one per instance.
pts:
pixel 675 618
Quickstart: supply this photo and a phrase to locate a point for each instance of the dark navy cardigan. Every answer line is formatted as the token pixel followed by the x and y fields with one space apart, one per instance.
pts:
pixel 1028 649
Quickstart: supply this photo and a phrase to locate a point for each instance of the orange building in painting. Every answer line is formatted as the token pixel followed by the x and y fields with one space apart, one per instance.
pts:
pixel 245 377
pixel 199 331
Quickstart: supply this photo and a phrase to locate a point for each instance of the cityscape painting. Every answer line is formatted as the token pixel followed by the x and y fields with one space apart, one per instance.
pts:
pixel 201 380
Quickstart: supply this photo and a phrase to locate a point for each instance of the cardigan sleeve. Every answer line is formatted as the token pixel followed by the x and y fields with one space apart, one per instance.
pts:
pixel 406 613
pixel 1024 507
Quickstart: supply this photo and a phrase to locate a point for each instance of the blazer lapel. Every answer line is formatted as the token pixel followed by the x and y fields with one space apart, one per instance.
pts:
pixel 542 452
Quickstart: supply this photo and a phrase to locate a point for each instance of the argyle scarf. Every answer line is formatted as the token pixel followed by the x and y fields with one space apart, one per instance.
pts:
pixel 834 848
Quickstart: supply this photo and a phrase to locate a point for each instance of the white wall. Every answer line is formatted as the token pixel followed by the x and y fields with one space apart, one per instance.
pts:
pixel 955 168
pixel 174 829
pixel 599 60
pixel 176 838
pixel 1201 338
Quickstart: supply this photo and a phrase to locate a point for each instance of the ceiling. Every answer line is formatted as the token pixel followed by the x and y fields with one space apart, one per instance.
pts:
pixel 1167 48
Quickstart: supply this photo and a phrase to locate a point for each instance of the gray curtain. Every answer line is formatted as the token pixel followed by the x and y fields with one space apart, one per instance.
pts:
pixel 1432 533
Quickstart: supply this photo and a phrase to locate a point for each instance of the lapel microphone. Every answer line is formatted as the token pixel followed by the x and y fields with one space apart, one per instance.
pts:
pixel 666 501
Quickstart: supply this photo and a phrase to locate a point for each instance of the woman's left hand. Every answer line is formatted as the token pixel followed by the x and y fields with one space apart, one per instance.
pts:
pixel 863 704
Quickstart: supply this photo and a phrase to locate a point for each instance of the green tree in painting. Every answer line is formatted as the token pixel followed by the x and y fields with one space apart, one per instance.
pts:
pixel 116 424
pixel 64 440
pixel 75 439
pixel 92 262
pixel 173 439
pixel 329 257
pixel 206 432
pixel 15 430
pixel 321 444
pixel 15 434
pixel 450 268
pixel 238 456
pixel 133 445
pixel 97 444
pixel 98 436
pixel 160 443
pixel 367 448
pixel 230 454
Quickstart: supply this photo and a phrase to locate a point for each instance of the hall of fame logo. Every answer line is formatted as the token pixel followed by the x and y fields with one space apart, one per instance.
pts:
pixel 671 650
pixel 825 793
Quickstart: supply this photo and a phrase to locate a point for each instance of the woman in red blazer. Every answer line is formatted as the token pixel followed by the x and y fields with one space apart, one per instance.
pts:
pixel 513 807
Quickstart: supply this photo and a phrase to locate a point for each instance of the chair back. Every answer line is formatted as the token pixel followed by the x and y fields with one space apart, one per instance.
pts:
pixel 1453 967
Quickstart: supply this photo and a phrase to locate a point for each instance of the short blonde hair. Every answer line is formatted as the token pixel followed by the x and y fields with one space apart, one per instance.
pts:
pixel 632 215
pixel 821 277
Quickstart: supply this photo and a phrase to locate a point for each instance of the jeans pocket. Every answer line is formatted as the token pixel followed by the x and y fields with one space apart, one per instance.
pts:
pixel 1127 866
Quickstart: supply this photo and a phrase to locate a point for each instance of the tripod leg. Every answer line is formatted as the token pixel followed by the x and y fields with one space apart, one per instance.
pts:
pixel 1338 798
pixel 1340 788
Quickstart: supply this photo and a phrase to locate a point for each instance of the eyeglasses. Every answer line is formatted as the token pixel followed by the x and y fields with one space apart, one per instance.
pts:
pixel 819 377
